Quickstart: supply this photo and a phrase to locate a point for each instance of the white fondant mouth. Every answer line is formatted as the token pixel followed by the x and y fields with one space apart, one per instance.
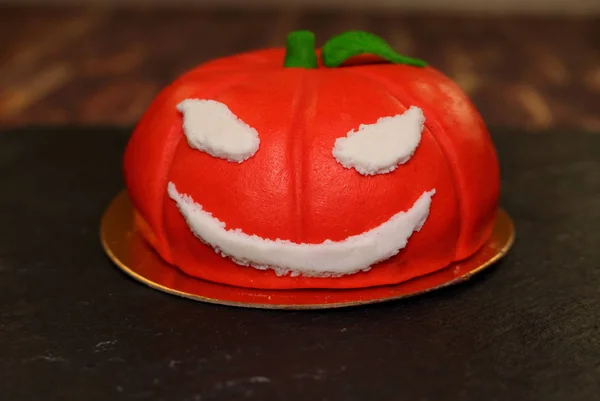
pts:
pixel 329 258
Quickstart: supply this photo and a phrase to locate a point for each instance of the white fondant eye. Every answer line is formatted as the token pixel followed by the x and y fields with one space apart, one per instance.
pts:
pixel 211 127
pixel 380 147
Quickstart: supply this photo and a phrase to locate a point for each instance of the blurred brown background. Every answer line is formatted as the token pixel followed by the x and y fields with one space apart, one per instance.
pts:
pixel 531 64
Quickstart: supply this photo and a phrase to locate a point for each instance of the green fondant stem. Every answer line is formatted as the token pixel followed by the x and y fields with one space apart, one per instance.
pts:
pixel 300 50
pixel 353 43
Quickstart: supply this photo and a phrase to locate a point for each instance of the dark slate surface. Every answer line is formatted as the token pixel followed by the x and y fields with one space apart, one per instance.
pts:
pixel 73 327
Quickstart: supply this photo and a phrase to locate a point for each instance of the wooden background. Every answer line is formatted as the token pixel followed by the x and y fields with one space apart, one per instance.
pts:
pixel 495 6
pixel 103 65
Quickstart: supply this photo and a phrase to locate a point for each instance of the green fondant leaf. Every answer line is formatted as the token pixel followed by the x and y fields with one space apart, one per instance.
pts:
pixel 353 43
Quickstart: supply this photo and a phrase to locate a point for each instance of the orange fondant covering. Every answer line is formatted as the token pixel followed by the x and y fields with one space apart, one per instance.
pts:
pixel 293 188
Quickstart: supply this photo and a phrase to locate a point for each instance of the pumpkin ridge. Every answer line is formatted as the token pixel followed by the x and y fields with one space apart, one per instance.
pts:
pixel 308 112
pixel 490 148
pixel 387 85
pixel 297 127
pixel 229 84
pixel 376 83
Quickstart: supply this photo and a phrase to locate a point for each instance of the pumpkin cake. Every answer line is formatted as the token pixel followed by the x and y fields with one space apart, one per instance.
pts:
pixel 349 166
